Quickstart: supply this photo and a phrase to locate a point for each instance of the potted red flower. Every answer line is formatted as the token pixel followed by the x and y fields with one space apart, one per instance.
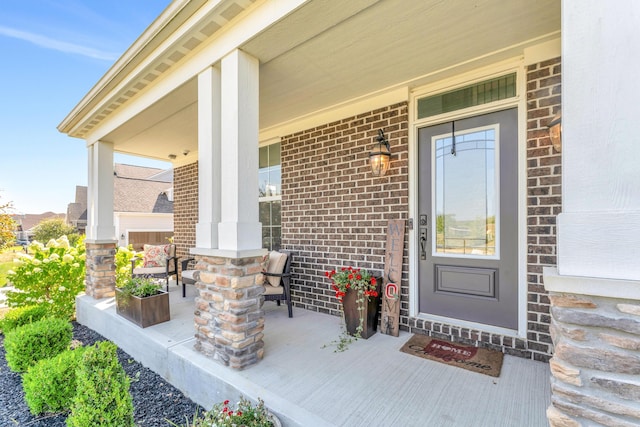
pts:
pixel 358 292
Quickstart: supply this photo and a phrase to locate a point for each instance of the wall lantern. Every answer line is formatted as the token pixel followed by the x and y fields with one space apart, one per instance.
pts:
pixel 555 132
pixel 380 156
pixel 122 236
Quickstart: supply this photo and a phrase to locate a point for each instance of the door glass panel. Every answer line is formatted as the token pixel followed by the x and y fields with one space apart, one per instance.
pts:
pixel 465 195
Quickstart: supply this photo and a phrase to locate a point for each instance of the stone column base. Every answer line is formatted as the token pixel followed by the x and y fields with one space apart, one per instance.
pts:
pixel 100 281
pixel 596 364
pixel 229 318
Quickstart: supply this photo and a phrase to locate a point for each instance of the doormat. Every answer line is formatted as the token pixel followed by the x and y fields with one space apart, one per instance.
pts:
pixel 482 360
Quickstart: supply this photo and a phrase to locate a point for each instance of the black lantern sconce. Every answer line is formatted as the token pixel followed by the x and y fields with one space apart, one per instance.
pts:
pixel 555 132
pixel 380 156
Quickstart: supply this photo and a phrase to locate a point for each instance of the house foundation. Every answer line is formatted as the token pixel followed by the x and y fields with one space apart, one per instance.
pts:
pixel 596 362
pixel 229 318
pixel 100 279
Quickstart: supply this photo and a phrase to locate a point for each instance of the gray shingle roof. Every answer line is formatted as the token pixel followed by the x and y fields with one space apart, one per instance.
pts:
pixel 135 189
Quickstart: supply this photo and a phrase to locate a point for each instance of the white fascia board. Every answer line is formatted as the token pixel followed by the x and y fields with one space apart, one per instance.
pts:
pixel 255 21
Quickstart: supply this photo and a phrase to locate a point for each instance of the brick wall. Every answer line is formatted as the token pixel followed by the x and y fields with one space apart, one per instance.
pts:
pixel 544 201
pixel 185 207
pixel 334 212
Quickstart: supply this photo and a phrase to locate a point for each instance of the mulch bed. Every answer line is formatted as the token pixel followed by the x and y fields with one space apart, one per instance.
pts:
pixel 155 401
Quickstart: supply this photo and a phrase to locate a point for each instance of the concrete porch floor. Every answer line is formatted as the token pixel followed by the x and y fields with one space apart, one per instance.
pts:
pixel 370 384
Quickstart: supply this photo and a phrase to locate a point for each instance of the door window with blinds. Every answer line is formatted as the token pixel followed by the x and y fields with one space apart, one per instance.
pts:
pixel 270 195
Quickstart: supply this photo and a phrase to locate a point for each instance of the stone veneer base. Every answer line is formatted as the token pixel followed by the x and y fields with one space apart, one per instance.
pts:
pixel 229 318
pixel 100 279
pixel 596 363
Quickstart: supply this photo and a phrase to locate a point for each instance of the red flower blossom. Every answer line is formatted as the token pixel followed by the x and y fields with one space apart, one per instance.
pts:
pixel 373 281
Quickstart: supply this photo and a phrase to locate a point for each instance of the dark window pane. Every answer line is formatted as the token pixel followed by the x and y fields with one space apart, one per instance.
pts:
pixel 263 161
pixel 274 154
pixel 265 213
pixel 275 213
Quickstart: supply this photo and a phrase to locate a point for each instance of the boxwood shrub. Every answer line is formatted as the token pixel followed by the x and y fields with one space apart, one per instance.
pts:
pixel 102 397
pixel 28 344
pixel 20 316
pixel 50 385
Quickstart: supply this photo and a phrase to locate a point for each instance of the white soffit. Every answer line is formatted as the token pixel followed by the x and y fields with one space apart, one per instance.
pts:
pixel 329 52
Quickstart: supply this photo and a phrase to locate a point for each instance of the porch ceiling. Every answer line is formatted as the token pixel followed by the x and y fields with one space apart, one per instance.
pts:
pixel 328 52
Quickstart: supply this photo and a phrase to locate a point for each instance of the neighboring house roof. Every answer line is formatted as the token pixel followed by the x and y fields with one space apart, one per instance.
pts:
pixel 77 212
pixel 29 221
pixel 135 189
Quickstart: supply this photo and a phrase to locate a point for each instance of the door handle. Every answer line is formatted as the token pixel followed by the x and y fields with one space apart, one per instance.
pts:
pixel 423 244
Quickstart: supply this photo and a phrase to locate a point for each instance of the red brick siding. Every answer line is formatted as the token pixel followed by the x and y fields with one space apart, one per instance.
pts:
pixel 334 212
pixel 185 207
pixel 544 203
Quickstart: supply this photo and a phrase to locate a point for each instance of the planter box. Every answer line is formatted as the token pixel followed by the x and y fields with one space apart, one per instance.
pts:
pixel 352 317
pixel 143 311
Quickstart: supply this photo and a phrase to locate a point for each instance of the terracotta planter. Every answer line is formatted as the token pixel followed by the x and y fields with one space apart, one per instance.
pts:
pixel 145 311
pixel 352 316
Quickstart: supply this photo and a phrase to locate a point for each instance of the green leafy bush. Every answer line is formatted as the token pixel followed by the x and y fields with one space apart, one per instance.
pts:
pixel 55 228
pixel 102 390
pixel 141 287
pixel 50 385
pixel 124 255
pixel 28 344
pixel 51 274
pixel 19 316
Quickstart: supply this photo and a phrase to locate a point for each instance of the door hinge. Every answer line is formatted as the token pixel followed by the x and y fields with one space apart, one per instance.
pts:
pixel 410 224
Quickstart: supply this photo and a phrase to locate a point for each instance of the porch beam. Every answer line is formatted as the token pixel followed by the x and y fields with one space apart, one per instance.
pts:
pixel 239 228
pixel 100 227
pixel 208 158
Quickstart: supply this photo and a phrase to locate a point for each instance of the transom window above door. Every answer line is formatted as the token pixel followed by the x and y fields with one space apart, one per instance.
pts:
pixel 487 91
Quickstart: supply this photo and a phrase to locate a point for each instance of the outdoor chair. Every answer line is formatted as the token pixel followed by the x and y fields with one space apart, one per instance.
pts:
pixel 187 276
pixel 277 282
pixel 158 262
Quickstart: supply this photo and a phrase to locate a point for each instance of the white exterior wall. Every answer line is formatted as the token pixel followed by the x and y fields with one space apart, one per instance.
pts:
pixel 126 222
pixel 599 229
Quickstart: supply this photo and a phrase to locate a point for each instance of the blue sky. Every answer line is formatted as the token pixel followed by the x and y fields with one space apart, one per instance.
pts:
pixel 53 52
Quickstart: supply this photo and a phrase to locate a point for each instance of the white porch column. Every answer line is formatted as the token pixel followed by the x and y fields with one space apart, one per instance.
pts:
pixel 599 229
pixel 208 158
pixel 239 228
pixel 595 292
pixel 101 239
pixel 229 318
pixel 100 226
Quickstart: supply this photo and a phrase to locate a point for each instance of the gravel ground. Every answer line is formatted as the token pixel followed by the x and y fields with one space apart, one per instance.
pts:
pixel 154 400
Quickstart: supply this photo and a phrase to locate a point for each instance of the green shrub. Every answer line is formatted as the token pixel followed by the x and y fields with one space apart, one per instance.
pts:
pixel 50 385
pixel 20 316
pixel 102 397
pixel 28 344
pixel 123 258
pixel 52 275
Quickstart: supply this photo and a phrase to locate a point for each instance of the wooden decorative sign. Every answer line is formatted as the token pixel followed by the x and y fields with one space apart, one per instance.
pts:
pixel 390 324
